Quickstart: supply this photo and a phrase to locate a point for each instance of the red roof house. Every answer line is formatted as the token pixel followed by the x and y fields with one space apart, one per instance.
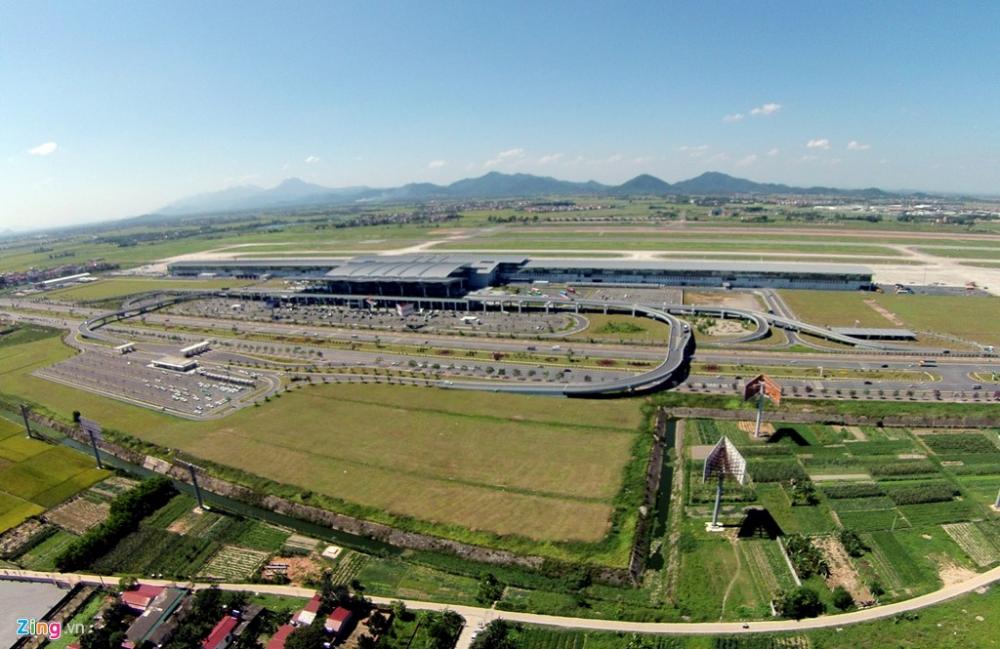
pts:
pixel 222 634
pixel 337 620
pixel 306 616
pixel 139 598
pixel 277 641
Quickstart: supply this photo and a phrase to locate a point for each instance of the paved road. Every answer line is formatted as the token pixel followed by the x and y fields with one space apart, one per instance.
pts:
pixel 476 616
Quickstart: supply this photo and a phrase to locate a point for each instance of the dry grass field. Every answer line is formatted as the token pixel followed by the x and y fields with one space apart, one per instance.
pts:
pixel 463 460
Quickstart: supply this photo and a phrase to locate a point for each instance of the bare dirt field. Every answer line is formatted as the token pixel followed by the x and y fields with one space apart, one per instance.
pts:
pixel 842 572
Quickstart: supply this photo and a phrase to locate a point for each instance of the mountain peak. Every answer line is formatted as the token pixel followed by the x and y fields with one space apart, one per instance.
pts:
pixel 293 181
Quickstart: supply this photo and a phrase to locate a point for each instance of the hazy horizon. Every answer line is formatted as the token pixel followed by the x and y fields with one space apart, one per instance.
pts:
pixel 118 110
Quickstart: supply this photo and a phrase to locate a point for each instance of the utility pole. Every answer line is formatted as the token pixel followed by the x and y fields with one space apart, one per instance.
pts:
pixel 25 409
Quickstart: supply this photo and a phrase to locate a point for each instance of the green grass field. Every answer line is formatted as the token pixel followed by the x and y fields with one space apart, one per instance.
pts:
pixel 106 289
pixel 601 240
pixel 967 317
pixel 623 328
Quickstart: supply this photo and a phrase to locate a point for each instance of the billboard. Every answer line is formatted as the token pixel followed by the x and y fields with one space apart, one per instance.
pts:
pixel 727 461
pixel 91 427
pixel 763 384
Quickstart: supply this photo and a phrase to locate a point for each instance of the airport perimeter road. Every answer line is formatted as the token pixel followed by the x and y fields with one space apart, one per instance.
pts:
pixel 476 617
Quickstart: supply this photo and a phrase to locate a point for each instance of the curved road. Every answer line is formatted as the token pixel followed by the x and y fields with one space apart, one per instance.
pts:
pixel 476 617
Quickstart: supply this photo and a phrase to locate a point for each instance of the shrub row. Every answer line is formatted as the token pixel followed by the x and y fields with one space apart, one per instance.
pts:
pixel 933 492
pixel 959 443
pixel 756 451
pixel 855 490
pixel 904 467
pixel 126 511
pixel 775 470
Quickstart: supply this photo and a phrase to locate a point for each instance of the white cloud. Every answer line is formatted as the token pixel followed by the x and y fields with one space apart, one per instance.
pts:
pixel 695 151
pixel 312 159
pixel 643 159
pixel 818 143
pixel 854 145
pixel 722 156
pixel 436 164
pixel 747 161
pixel 47 148
pixel 773 152
pixel 510 155
pixel 734 117
pixel 809 158
pixel 617 157
pixel 550 158
pixel 767 109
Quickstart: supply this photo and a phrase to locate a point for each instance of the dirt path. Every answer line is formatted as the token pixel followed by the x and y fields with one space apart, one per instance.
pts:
pixel 736 575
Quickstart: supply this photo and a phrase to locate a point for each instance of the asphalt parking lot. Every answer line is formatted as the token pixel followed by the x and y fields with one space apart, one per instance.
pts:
pixel 130 376
pixel 430 320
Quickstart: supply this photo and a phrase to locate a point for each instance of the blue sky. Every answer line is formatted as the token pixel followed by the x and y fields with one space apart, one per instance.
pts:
pixel 114 109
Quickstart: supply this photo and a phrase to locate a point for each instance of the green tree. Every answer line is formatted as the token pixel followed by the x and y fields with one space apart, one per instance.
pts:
pixel 800 602
pixel 495 635
pixel 442 629
pixel 306 637
pixel 842 599
pixel 490 589
pixel 111 634
pixel 637 641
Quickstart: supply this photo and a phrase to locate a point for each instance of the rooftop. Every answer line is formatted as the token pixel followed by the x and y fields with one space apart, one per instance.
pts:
pixel 220 632
pixel 277 641
pixel 704 265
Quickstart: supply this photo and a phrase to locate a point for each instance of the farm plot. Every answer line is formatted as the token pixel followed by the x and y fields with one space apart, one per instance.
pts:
pixel 233 563
pixel 14 510
pixel 78 515
pixel 298 544
pixel 114 486
pixel 255 535
pixel 960 443
pixel 873 520
pixel 41 476
pixel 970 537
pixel 937 513
pixel 983 489
pixel 766 566
pixel 43 556
pixel 349 566
pixel 842 570
pixel 892 563
pixel 547 638
pixel 154 551
pixel 761 642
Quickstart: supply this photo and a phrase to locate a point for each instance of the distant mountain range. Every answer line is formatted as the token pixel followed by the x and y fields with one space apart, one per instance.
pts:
pixel 294 192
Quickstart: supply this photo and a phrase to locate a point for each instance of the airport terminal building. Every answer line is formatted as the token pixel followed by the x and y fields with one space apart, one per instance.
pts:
pixel 454 275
